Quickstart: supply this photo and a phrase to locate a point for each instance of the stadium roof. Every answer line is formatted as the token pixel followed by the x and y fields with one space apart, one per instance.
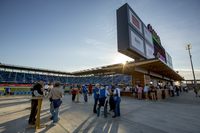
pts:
pixel 149 66
pixel 22 68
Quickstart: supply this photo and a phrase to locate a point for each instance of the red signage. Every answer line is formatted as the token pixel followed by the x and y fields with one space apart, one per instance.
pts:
pixel 135 22
pixel 16 85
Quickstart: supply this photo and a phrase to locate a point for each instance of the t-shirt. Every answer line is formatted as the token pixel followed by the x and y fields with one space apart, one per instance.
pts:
pixel 140 89
pixel 146 88
pixel 117 92
pixel 56 93
pixel 96 92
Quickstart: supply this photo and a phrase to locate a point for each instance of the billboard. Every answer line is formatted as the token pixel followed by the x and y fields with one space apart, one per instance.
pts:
pixel 169 60
pixel 137 40
pixel 130 36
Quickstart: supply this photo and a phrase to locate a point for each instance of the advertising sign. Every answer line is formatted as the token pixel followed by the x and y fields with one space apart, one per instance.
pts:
pixel 136 42
pixel 134 38
pixel 162 58
pixel 154 34
pixel 169 60
pixel 149 51
pixel 135 21
pixel 147 35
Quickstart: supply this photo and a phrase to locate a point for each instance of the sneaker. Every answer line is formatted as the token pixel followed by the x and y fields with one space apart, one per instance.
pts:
pixel 51 118
pixel 56 121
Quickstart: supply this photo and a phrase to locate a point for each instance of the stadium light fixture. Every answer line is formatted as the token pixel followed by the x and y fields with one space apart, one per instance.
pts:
pixel 188 47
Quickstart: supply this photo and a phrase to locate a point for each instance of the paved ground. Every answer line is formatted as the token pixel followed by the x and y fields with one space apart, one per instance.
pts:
pixel 173 115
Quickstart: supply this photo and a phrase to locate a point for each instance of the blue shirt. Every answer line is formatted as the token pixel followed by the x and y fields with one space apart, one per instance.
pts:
pixel 96 92
pixel 84 89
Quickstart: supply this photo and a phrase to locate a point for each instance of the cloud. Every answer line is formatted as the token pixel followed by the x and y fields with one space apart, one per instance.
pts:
pixel 187 73
pixel 94 42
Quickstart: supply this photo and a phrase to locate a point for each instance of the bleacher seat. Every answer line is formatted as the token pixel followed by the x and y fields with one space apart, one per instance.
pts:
pixel 20 77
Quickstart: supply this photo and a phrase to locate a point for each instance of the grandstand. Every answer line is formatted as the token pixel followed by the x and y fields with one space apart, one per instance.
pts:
pixel 131 74
pixel 20 79
pixel 25 75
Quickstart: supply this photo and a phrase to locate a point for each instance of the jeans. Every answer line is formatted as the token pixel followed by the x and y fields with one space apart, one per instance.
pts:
pixel 85 97
pixel 102 102
pixel 95 105
pixel 117 106
pixel 54 113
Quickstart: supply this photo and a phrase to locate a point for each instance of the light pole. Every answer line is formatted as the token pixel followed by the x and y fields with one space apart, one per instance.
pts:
pixel 188 47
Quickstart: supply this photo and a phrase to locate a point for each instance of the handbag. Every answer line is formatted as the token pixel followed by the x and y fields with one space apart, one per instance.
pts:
pixel 57 103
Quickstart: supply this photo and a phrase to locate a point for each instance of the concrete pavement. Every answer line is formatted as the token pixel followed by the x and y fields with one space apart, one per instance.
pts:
pixel 173 115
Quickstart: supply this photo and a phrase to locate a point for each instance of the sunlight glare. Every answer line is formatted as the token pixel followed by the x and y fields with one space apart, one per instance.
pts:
pixel 120 58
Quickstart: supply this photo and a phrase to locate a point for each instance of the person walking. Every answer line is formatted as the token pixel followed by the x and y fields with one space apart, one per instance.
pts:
pixel 55 95
pixel 78 91
pixel 140 89
pixel 111 99
pixel 146 90
pixel 36 91
pixel 153 93
pixel 196 92
pixel 117 99
pixel 96 97
pixel 85 93
pixel 90 89
pixel 73 92
pixel 103 93
pixel 171 90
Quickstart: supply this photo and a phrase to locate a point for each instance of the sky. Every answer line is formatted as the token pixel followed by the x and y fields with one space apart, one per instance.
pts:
pixel 71 35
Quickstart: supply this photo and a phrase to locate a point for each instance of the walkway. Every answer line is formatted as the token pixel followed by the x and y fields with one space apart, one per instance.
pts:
pixel 173 115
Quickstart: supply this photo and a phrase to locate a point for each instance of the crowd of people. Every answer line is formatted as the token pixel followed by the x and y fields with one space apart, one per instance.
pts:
pixel 103 96
pixel 149 91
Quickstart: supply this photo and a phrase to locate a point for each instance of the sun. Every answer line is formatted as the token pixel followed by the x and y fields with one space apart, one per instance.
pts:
pixel 120 58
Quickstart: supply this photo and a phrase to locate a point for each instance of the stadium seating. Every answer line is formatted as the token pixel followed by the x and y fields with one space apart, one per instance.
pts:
pixel 20 77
